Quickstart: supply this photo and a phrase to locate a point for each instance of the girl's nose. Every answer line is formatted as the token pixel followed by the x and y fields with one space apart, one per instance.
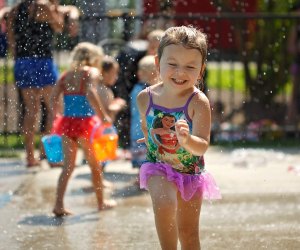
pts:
pixel 179 71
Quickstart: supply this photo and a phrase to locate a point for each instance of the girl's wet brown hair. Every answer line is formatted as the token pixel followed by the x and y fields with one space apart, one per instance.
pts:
pixel 187 36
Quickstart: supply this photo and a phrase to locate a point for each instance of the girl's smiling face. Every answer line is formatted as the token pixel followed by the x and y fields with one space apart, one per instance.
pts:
pixel 180 67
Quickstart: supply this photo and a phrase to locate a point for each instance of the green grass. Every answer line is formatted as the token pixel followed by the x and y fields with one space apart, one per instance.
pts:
pixel 225 79
pixel 14 141
pixel 228 79
pixel 9 154
pixel 10 74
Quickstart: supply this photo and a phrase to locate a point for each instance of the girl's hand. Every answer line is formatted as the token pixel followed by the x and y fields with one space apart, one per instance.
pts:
pixel 120 101
pixel 182 131
pixel 107 119
pixel 142 140
pixel 117 104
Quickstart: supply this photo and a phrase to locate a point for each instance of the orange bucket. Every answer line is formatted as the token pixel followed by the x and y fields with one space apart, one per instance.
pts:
pixel 104 139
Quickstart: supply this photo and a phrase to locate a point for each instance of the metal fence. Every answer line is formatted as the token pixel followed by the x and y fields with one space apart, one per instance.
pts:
pixel 228 36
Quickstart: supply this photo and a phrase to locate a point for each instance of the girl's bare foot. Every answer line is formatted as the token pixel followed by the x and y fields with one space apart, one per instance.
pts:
pixel 56 165
pixel 33 163
pixel 127 155
pixel 61 212
pixel 107 184
pixel 107 204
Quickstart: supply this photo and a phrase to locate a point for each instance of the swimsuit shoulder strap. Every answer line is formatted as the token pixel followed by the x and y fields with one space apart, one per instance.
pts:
pixel 150 99
pixel 187 104
pixel 190 98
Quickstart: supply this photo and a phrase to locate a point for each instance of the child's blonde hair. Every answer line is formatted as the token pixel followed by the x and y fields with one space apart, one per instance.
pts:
pixel 147 63
pixel 147 70
pixel 187 36
pixel 155 35
pixel 85 54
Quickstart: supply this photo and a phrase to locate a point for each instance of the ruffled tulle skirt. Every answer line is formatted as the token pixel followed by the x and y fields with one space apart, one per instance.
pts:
pixel 188 185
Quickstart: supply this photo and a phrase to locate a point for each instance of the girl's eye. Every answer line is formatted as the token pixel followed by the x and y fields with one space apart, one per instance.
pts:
pixel 190 67
pixel 172 64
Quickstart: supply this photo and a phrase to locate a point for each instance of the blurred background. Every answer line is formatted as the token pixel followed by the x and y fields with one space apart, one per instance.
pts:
pixel 248 78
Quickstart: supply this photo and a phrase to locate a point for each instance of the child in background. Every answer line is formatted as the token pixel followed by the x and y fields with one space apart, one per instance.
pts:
pixel 177 179
pixel 147 76
pixel 112 105
pixel 110 71
pixel 82 110
pixel 128 59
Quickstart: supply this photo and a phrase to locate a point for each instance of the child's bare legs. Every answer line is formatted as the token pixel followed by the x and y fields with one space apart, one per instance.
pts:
pixel 97 176
pixel 188 222
pixel 164 199
pixel 31 98
pixel 45 93
pixel 70 150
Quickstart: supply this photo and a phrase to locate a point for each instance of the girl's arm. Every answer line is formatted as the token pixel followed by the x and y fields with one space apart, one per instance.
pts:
pixel 71 17
pixel 10 31
pixel 116 105
pixel 197 141
pixel 48 12
pixel 142 103
pixel 55 107
pixel 93 97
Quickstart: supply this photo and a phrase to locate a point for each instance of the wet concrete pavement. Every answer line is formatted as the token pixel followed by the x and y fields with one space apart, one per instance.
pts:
pixel 260 208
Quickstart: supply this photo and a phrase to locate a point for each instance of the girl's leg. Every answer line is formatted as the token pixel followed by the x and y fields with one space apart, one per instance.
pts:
pixel 46 95
pixel 70 150
pixel 188 214
pixel 97 175
pixel 164 199
pixel 31 98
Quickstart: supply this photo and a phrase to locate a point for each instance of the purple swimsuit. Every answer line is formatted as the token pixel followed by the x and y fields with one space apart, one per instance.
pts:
pixel 166 158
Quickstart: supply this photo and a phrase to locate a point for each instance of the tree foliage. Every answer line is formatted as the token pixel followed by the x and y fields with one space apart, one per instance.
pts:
pixel 262 40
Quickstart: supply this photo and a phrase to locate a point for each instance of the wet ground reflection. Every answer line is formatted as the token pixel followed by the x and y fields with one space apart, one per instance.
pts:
pixel 260 208
pixel 5 198
pixel 51 220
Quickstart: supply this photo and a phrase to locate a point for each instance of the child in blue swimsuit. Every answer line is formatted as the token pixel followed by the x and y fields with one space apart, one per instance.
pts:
pixel 147 76
pixel 176 121
pixel 83 109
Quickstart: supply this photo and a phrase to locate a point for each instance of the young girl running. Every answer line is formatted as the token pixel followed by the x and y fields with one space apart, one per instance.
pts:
pixel 82 110
pixel 177 179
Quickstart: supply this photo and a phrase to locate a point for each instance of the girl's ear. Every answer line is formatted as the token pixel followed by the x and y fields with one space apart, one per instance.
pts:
pixel 200 77
pixel 201 74
pixel 157 63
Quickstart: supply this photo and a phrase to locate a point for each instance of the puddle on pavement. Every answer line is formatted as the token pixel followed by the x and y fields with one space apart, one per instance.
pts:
pixel 5 198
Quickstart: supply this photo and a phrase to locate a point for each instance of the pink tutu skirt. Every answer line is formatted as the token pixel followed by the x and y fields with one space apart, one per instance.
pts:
pixel 187 184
